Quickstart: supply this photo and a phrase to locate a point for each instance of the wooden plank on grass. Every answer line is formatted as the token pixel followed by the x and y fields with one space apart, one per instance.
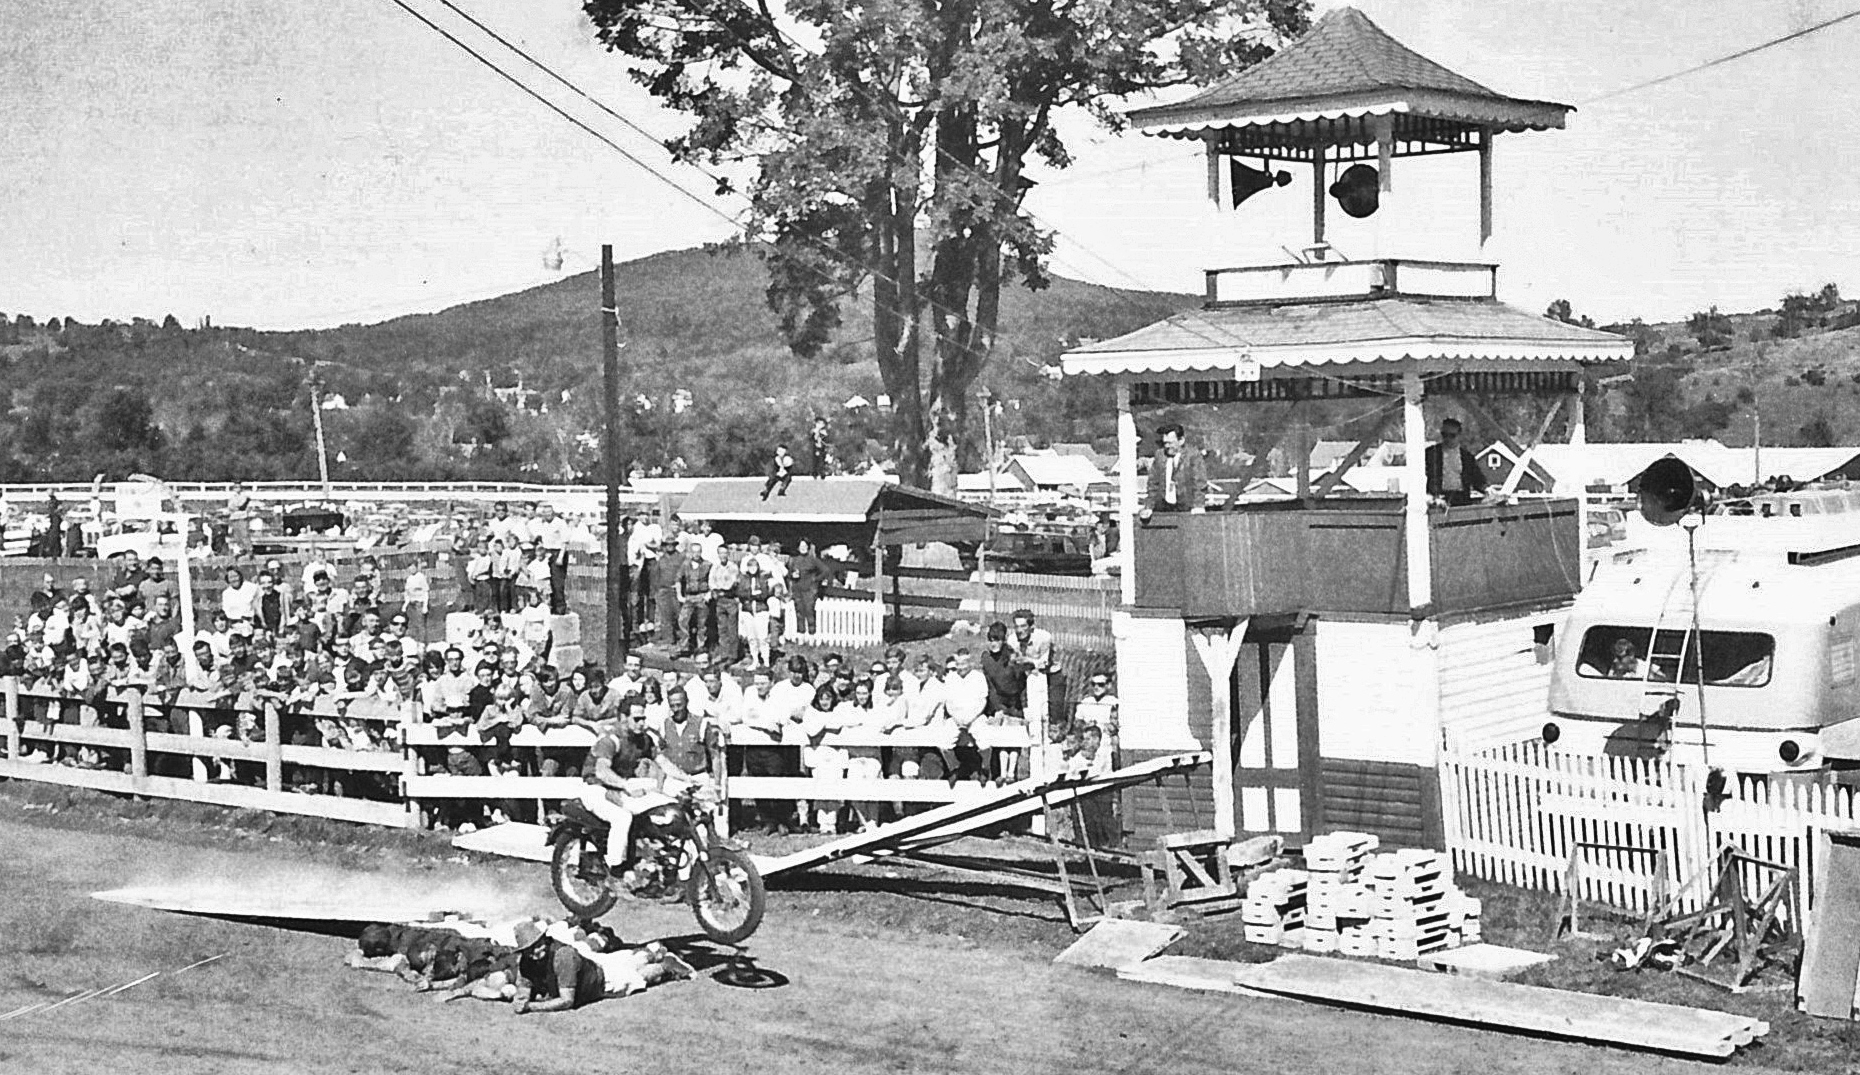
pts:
pixel 1119 942
pixel 1618 1021
pixel 1189 972
pixel 1831 952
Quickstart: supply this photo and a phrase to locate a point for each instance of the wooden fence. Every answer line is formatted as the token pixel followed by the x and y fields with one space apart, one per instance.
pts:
pixel 118 729
pixel 262 770
pixel 1514 814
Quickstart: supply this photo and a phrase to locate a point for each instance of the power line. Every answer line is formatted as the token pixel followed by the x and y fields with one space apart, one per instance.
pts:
pixel 1738 55
pixel 1226 337
pixel 560 111
pixel 722 185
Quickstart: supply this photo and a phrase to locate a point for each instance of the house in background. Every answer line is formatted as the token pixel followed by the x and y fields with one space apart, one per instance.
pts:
pixel 1050 472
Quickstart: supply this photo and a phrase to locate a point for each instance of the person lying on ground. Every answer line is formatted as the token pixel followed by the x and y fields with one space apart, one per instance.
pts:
pixel 555 973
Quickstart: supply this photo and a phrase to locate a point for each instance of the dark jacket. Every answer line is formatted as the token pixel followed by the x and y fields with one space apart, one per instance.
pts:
pixel 1191 482
pixel 1470 473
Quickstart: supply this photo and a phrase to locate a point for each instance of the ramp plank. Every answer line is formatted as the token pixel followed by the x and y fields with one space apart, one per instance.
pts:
pixel 983 811
pixel 1118 943
pixel 1831 954
pixel 1189 972
pixel 1505 1005
pixel 513 839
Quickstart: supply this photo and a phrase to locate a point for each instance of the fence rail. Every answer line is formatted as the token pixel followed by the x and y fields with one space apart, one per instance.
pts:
pixel 44 725
pixel 410 780
pixel 1515 813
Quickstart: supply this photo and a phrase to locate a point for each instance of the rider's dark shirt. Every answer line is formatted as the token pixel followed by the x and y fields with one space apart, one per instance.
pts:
pixel 626 749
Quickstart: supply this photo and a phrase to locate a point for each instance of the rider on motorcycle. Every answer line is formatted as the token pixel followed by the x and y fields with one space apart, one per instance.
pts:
pixel 616 791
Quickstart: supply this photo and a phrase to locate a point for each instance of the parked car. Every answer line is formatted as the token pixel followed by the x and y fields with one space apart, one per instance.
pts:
pixel 1040 554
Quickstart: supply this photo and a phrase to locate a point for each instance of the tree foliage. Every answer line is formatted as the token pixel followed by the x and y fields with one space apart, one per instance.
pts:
pixel 1710 328
pixel 891 152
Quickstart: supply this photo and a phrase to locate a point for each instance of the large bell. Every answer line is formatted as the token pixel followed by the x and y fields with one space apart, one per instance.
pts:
pixel 1358 190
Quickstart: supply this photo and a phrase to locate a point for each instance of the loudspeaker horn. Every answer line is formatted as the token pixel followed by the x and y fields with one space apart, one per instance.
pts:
pixel 1250 181
pixel 1667 490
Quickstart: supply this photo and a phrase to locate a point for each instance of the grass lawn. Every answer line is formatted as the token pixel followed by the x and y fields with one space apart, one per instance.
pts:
pixel 944 912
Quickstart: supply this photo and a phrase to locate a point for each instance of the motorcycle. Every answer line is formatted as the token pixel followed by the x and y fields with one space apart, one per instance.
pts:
pixel 674 854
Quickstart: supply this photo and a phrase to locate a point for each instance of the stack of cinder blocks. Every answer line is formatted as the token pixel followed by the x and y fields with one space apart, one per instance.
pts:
pixel 1335 897
pixel 1352 900
pixel 1273 911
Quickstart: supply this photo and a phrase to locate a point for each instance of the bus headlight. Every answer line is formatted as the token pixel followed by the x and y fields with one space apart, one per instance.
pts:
pixel 1551 733
pixel 1788 751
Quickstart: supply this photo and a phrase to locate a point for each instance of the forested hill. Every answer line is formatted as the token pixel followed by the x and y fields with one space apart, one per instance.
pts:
pixel 508 387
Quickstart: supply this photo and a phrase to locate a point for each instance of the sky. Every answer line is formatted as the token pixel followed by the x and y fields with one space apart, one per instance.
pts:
pixel 282 164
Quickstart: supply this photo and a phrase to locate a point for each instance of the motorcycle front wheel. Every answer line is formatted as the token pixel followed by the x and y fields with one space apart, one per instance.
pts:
pixel 726 895
pixel 578 872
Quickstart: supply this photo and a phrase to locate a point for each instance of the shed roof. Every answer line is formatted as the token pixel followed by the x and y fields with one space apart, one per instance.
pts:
pixel 1293 335
pixel 1345 66
pixel 897 512
pixel 1048 470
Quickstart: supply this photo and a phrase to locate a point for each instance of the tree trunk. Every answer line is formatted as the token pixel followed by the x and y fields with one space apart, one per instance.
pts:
pixel 942 444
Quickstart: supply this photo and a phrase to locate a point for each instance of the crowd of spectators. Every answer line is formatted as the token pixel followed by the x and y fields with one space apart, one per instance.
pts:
pixel 314 639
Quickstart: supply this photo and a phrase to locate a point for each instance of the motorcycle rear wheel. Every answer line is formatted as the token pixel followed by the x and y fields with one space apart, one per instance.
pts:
pixel 583 897
pixel 727 896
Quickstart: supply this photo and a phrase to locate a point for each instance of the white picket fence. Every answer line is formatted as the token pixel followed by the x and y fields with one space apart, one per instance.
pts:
pixel 1513 814
pixel 1076 609
pixel 843 621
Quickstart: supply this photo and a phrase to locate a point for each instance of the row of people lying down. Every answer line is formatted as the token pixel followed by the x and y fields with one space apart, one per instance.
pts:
pixel 533 964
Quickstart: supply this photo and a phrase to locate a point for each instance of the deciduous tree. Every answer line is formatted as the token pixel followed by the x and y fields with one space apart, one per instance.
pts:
pixel 891 141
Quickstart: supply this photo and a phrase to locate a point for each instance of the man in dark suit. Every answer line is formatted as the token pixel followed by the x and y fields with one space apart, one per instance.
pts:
pixel 1178 477
pixel 1453 475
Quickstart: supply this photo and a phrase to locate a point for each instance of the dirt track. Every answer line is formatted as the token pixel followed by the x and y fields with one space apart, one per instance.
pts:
pixel 856 998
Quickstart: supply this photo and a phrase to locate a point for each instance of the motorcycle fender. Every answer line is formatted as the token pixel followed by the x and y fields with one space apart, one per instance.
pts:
pixel 562 832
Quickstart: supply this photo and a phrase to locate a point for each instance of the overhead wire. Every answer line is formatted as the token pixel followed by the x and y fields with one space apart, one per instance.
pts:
pixel 1225 337
pixel 630 124
pixel 1727 58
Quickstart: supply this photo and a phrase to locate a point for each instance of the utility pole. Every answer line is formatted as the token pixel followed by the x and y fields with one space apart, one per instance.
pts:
pixel 988 437
pixel 316 416
pixel 617 641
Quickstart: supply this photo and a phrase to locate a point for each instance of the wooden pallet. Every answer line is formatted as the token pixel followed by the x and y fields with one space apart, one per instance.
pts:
pixel 1634 1024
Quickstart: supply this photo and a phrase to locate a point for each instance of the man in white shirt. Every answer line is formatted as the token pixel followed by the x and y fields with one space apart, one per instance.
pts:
pixel 1038 658
pixel 632 679
pixel 552 534
pixel 923 708
pixel 642 549
pixel 769 713
pixel 965 699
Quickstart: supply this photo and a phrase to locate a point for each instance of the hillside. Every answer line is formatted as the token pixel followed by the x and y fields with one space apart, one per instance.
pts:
pixel 509 387
pixel 708 380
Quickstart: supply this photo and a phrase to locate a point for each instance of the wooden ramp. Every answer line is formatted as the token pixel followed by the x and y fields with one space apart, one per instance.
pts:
pixel 295 904
pixel 985 810
pixel 1634 1024
pixel 513 839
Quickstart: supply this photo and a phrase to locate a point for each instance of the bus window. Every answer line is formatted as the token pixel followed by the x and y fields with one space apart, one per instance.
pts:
pixel 1719 658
